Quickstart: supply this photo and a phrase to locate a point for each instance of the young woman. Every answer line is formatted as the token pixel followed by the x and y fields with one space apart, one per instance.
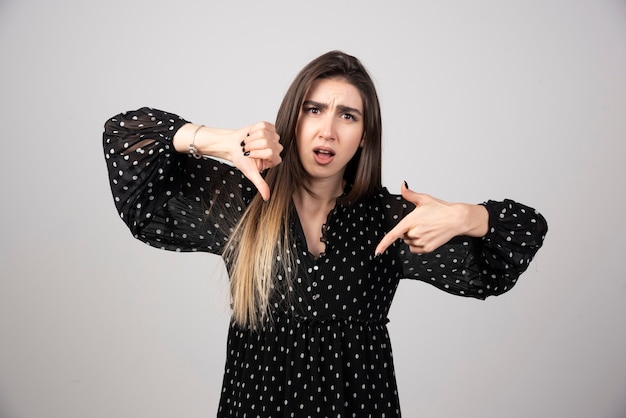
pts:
pixel 314 245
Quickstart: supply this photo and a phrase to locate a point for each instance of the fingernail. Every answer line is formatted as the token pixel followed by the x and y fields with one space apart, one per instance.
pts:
pixel 243 143
pixel 406 185
pixel 247 153
pixel 248 134
pixel 377 255
pixel 243 149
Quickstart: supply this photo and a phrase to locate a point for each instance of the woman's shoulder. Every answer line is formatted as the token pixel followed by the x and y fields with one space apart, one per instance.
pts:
pixel 391 200
pixel 385 202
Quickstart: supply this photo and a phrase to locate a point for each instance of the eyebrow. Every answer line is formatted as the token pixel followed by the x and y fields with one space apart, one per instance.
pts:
pixel 342 108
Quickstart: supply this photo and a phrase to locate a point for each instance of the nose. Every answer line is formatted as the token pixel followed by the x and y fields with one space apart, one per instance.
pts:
pixel 327 129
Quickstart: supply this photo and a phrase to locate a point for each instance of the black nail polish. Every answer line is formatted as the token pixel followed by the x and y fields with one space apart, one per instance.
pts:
pixel 243 143
pixel 377 255
pixel 247 153
pixel 406 185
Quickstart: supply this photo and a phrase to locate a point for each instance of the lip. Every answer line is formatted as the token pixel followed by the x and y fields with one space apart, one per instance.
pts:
pixel 323 155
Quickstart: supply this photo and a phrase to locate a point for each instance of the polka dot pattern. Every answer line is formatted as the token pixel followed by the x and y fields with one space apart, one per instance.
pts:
pixel 325 350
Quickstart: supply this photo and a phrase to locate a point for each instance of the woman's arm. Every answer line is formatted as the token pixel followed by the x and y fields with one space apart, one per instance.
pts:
pixel 483 251
pixel 251 149
pixel 433 222
pixel 169 199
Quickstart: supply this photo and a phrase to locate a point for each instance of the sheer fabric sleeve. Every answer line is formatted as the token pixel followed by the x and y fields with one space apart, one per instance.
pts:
pixel 477 267
pixel 168 199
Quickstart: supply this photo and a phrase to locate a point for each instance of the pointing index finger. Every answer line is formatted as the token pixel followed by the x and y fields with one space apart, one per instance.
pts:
pixel 397 232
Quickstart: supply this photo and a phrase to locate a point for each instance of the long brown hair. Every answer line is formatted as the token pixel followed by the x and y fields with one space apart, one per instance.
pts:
pixel 259 250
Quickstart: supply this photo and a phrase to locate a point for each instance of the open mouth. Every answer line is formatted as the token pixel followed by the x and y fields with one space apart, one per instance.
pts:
pixel 324 152
pixel 323 156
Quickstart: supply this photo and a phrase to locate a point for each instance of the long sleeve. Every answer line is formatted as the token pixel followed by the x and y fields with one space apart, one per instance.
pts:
pixel 478 267
pixel 168 199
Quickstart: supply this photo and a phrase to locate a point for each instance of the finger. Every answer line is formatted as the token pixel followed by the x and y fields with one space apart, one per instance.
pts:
pixel 260 145
pixel 251 143
pixel 397 232
pixel 414 242
pixel 417 249
pixel 262 130
pixel 262 126
pixel 268 157
pixel 411 196
pixel 263 148
pixel 256 142
pixel 422 248
pixel 259 182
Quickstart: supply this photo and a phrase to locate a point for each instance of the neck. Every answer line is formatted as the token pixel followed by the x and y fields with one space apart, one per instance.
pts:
pixel 324 192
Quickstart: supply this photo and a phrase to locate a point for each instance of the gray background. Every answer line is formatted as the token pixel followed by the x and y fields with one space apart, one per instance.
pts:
pixel 481 99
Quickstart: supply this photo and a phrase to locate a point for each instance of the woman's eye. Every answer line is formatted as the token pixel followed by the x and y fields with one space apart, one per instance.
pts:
pixel 348 116
pixel 313 110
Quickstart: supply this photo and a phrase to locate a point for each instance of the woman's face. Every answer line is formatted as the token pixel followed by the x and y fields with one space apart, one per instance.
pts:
pixel 330 128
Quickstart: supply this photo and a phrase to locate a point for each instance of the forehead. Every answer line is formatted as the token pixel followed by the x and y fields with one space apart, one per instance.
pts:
pixel 337 90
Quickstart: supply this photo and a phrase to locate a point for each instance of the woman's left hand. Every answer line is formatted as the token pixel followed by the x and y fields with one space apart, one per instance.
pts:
pixel 434 222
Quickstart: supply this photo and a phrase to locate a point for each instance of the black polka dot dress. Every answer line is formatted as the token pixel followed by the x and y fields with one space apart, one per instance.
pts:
pixel 326 351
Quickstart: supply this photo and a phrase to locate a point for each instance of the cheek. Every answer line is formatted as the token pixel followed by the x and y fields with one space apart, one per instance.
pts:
pixel 356 138
pixel 301 132
pixel 299 135
pixel 354 147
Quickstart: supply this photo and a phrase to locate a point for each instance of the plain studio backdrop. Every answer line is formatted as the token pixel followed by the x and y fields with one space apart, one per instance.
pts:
pixel 481 100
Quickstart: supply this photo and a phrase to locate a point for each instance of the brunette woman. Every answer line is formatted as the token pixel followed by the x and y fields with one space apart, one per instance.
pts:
pixel 314 245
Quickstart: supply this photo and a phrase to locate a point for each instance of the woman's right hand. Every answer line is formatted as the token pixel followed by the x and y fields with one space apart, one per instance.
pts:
pixel 251 149
pixel 256 148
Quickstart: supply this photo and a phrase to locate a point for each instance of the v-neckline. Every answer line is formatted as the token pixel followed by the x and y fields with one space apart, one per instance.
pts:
pixel 301 236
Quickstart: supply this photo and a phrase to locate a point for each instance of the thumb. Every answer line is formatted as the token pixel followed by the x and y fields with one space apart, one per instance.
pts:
pixel 259 182
pixel 412 196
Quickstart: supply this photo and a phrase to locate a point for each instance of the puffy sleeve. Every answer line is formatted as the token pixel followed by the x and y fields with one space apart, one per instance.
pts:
pixel 168 199
pixel 477 267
